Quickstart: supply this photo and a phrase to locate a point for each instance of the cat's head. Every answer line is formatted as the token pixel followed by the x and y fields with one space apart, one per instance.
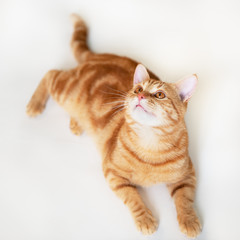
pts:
pixel 155 103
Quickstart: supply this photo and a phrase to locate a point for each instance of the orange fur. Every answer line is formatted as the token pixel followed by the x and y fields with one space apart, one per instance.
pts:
pixel 133 154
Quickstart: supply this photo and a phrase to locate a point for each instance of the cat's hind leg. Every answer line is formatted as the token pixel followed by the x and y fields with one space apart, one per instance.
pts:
pixel 39 99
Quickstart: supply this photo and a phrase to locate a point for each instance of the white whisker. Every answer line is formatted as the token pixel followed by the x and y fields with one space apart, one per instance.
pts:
pixel 117 90
pixel 114 102
pixel 112 93
pixel 118 106
pixel 117 111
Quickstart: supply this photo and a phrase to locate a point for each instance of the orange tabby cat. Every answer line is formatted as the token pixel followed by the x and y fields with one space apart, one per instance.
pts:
pixel 137 122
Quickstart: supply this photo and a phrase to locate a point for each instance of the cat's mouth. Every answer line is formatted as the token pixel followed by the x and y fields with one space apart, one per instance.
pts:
pixel 139 106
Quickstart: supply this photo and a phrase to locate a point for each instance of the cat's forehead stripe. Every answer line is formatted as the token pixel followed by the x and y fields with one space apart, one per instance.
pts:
pixel 155 84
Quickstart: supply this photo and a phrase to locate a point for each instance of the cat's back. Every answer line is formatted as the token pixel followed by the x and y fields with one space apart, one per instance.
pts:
pixel 102 70
pixel 106 77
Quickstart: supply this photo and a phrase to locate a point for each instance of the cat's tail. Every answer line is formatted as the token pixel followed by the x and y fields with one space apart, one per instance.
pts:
pixel 79 39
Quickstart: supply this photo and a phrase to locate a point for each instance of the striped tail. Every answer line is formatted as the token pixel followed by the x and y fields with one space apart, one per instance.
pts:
pixel 79 38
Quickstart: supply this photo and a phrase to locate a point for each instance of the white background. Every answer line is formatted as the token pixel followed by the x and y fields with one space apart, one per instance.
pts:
pixel 51 182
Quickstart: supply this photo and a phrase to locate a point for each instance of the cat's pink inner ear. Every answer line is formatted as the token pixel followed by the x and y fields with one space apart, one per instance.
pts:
pixel 186 86
pixel 140 74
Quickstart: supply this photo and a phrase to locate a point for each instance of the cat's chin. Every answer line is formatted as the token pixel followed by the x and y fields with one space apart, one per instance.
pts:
pixel 142 116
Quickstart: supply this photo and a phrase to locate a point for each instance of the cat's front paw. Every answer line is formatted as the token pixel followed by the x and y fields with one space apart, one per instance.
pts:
pixel 145 222
pixel 190 225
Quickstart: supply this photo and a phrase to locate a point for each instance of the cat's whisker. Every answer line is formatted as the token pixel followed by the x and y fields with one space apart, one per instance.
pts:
pixel 150 105
pixel 117 90
pixel 114 102
pixel 118 106
pixel 115 94
pixel 114 99
pixel 119 109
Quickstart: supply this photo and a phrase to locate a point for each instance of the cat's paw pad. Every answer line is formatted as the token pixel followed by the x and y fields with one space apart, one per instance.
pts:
pixel 34 108
pixel 145 222
pixel 190 225
pixel 75 128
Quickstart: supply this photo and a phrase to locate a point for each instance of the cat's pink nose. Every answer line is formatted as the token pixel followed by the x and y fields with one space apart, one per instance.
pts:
pixel 141 96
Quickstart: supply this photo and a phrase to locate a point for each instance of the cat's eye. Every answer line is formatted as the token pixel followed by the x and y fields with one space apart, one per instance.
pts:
pixel 160 95
pixel 138 89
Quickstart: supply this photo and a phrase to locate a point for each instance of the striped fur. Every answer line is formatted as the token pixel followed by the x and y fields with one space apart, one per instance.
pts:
pixel 97 95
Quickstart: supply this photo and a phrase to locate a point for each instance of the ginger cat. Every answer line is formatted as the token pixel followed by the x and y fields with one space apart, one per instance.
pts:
pixel 137 121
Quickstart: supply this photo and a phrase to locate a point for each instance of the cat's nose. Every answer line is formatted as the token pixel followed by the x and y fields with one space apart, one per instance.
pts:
pixel 141 96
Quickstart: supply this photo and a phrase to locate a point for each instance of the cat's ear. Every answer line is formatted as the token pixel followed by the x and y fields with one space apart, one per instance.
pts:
pixel 140 74
pixel 186 86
